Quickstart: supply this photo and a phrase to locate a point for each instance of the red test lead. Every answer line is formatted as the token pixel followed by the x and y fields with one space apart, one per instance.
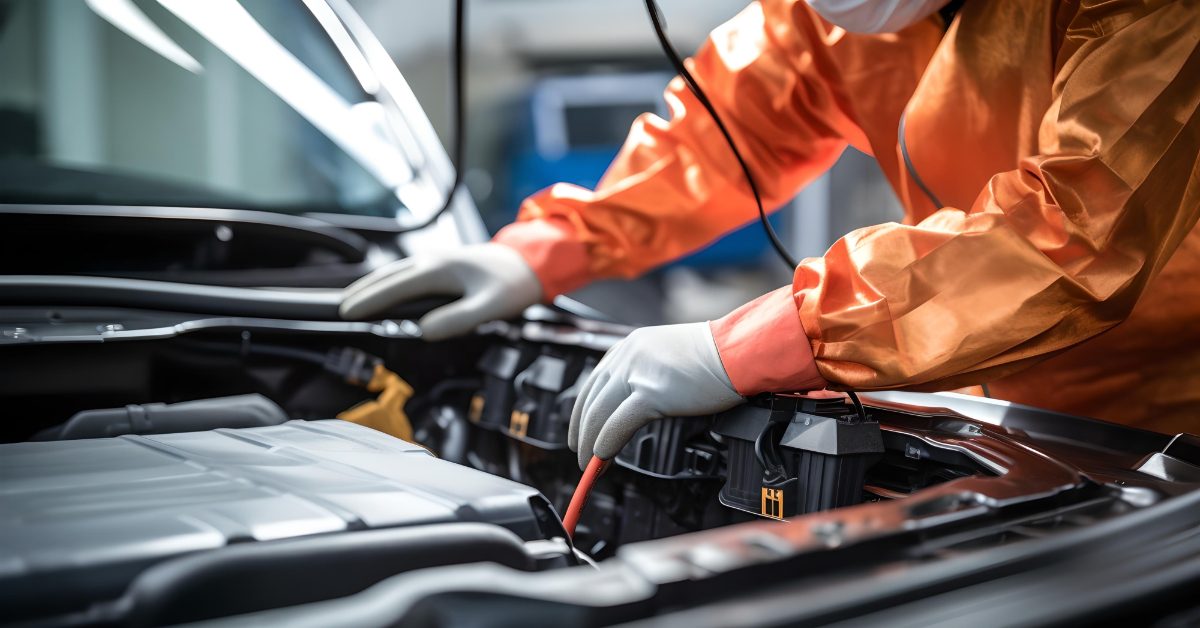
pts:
pixel 593 471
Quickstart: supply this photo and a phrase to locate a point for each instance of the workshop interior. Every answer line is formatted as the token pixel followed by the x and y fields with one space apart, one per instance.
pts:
pixel 279 344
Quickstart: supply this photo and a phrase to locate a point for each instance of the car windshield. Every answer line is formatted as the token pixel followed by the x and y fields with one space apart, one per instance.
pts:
pixel 212 103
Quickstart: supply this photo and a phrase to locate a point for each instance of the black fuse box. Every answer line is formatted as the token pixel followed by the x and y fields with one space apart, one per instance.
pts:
pixel 673 448
pixel 677 467
pixel 791 455
pixel 492 406
pixel 545 395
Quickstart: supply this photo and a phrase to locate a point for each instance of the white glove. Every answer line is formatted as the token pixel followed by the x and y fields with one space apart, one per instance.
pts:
pixel 494 281
pixel 656 372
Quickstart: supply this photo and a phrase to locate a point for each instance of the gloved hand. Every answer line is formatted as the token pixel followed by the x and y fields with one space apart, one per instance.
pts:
pixel 669 370
pixel 494 280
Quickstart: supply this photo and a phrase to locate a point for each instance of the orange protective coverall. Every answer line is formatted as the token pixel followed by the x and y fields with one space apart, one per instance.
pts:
pixel 1062 138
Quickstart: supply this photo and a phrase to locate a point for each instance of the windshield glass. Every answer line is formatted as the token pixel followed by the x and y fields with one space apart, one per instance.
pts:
pixel 211 103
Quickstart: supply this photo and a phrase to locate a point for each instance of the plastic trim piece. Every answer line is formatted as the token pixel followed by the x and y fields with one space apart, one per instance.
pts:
pixel 348 244
pixel 828 583
pixel 229 581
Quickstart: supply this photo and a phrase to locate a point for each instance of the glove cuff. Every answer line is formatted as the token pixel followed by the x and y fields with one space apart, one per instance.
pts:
pixel 548 245
pixel 763 346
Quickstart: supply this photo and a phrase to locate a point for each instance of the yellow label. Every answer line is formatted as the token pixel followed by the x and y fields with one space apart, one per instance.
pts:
pixel 518 423
pixel 772 503
pixel 476 411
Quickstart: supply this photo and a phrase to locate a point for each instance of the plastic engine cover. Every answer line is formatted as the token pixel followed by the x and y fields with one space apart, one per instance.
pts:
pixel 79 520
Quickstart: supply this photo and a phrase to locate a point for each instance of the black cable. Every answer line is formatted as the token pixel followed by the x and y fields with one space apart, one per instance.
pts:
pixel 458 157
pixel 661 31
pixel 858 406
pixel 773 470
pixel 912 170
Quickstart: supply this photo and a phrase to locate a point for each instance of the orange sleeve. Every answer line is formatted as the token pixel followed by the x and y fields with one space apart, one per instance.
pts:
pixel 1050 254
pixel 782 80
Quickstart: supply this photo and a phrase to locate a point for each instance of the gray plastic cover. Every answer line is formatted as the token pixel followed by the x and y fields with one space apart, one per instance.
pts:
pixel 79 519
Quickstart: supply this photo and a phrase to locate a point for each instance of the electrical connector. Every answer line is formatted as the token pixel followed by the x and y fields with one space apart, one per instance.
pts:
pixel 355 366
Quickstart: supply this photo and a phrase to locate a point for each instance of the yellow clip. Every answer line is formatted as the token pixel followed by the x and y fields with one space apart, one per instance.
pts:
pixel 772 503
pixel 386 412
pixel 518 423
pixel 475 413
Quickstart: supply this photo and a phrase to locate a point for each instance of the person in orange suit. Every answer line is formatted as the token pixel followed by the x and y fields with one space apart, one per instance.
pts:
pixel 1045 153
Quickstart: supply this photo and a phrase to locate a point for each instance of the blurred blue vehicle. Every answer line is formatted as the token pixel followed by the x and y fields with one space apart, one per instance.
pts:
pixel 572 127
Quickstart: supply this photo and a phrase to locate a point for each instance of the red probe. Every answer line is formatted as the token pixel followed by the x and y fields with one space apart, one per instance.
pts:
pixel 593 471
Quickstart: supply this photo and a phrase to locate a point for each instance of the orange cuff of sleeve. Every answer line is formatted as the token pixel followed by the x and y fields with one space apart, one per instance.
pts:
pixel 764 348
pixel 559 260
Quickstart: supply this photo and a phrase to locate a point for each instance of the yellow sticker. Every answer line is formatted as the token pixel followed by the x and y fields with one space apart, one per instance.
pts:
pixel 772 502
pixel 518 423
pixel 476 411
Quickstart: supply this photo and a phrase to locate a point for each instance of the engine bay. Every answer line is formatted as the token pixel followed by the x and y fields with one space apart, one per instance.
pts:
pixel 498 402
pixel 467 432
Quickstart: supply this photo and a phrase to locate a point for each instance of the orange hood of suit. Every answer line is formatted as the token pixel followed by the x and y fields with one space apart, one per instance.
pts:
pixel 1061 266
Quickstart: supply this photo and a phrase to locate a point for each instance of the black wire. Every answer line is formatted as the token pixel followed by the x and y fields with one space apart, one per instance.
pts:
pixel 912 170
pixel 661 31
pixel 862 412
pixel 772 467
pixel 458 157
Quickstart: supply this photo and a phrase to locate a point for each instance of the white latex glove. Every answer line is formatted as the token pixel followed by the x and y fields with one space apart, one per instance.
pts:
pixel 656 372
pixel 494 281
